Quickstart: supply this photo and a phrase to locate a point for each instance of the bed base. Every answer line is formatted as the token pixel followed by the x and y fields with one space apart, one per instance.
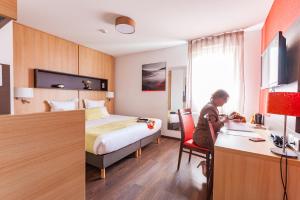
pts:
pixel 105 160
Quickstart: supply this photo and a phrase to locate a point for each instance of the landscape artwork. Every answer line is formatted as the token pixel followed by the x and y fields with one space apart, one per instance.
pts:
pixel 154 77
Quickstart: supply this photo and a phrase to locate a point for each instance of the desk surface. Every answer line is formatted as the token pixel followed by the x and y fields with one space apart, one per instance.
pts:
pixel 242 144
pixel 248 170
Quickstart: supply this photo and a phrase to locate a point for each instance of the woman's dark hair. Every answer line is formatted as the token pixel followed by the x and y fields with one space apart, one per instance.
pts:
pixel 219 94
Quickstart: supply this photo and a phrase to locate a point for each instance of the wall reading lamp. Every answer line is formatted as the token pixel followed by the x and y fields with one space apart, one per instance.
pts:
pixel 23 94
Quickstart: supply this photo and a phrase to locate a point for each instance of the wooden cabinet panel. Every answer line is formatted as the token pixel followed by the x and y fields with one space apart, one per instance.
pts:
pixel 43 156
pixel 97 64
pixel 109 71
pixel 248 170
pixel 8 8
pixel 36 49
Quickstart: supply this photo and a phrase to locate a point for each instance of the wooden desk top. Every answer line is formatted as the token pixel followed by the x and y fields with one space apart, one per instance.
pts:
pixel 242 145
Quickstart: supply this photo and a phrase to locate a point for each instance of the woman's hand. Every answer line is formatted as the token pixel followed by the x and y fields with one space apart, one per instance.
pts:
pixel 224 119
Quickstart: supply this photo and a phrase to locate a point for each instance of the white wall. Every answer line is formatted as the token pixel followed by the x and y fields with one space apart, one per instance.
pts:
pixel 130 100
pixel 6 52
pixel 252 63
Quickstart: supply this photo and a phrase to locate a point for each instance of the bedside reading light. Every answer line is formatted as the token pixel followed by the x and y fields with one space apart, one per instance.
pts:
pixel 110 95
pixel 24 94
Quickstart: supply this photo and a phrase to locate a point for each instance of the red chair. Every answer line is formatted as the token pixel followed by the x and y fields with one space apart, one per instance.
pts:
pixel 187 130
pixel 187 143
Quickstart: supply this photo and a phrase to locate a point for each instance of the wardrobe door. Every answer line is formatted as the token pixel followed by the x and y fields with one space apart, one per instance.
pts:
pixel 5 89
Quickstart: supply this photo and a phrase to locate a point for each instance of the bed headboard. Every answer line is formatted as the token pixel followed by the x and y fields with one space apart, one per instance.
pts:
pixel 92 95
pixel 39 104
pixel 37 49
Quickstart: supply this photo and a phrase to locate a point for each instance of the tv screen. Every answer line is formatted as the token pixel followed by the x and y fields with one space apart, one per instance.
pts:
pixel 274 68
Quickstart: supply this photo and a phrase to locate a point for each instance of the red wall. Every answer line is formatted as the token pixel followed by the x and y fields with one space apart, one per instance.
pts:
pixel 281 16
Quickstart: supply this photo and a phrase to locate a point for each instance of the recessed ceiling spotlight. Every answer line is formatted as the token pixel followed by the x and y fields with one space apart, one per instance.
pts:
pixel 125 25
pixel 102 30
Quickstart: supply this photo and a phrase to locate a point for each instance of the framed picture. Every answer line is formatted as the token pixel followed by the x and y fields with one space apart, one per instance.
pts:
pixel 154 77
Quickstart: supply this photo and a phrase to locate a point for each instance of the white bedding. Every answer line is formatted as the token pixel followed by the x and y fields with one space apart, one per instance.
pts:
pixel 120 138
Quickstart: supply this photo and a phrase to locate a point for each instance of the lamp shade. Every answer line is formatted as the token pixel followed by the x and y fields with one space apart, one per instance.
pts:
pixel 110 95
pixel 125 25
pixel 284 103
pixel 23 93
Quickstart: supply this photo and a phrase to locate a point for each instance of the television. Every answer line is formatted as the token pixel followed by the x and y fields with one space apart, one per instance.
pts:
pixel 274 63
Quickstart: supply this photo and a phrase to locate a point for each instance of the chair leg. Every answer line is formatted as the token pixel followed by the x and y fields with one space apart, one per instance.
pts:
pixel 190 156
pixel 207 171
pixel 211 177
pixel 179 158
pixel 210 185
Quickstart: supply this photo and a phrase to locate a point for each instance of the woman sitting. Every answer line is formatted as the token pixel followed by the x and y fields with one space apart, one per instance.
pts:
pixel 202 136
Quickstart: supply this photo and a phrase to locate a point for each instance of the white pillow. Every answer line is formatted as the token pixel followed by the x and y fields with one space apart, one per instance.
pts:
pixel 104 112
pixel 63 105
pixel 93 104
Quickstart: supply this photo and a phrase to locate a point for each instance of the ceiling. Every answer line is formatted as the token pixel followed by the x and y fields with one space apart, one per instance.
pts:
pixel 159 23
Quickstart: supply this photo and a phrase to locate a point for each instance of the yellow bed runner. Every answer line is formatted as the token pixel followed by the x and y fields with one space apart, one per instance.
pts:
pixel 92 133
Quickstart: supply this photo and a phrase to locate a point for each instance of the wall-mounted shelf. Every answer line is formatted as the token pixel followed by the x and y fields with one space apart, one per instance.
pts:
pixel 59 80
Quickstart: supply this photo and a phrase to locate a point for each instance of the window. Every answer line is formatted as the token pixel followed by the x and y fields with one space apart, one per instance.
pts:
pixel 217 64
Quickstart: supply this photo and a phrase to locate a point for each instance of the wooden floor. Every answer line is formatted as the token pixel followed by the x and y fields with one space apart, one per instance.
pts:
pixel 152 176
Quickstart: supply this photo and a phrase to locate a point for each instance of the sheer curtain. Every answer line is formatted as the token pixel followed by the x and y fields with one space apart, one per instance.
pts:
pixel 216 63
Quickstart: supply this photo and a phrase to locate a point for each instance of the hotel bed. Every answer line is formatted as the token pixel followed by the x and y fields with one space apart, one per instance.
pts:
pixel 121 137
pixel 109 138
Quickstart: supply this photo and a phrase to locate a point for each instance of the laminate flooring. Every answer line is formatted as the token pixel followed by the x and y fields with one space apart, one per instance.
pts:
pixel 151 176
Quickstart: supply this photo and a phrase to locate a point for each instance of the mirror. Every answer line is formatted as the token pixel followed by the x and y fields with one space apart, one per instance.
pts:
pixel 176 95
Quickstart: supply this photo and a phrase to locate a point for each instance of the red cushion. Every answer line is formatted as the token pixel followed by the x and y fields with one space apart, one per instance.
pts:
pixel 190 144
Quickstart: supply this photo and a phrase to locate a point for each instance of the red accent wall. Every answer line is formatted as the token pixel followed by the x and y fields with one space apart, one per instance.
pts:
pixel 281 16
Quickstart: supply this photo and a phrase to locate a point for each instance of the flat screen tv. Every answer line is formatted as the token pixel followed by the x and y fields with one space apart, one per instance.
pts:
pixel 274 63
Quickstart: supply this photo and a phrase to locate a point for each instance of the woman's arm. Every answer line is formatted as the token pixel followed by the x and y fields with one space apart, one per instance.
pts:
pixel 215 121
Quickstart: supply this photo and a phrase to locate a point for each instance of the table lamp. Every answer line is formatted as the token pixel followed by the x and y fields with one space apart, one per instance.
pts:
pixel 287 104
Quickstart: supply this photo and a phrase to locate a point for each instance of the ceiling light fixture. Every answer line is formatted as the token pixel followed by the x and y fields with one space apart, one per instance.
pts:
pixel 125 25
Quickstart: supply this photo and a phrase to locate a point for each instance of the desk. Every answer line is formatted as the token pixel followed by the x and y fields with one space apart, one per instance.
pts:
pixel 245 170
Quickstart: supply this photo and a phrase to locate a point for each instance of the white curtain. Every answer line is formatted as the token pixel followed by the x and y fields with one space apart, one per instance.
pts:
pixel 216 63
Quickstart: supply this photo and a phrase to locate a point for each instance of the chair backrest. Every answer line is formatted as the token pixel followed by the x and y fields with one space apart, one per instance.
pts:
pixel 186 124
pixel 211 129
